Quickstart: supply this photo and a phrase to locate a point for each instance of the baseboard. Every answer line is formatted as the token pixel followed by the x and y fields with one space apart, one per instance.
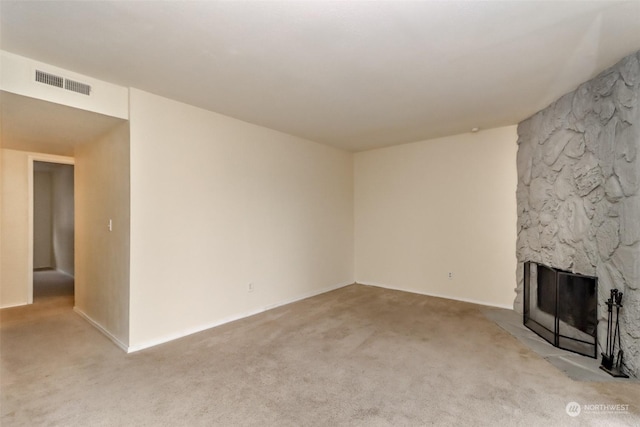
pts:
pixel 99 327
pixel 471 301
pixel 66 273
pixel 20 304
pixel 229 319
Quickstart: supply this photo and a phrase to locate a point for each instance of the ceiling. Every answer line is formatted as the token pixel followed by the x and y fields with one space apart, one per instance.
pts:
pixel 30 124
pixel 355 75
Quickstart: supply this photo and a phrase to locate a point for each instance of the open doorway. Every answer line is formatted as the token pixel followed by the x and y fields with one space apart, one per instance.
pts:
pixel 35 130
pixel 53 231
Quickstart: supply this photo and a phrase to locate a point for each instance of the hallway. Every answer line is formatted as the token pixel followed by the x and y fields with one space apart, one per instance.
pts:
pixel 52 295
pixel 51 286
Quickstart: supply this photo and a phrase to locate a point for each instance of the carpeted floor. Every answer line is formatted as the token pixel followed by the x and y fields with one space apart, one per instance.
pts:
pixel 361 356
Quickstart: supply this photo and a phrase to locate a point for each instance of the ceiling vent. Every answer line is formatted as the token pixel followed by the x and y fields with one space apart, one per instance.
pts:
pixel 74 86
pixel 49 79
pixel 61 82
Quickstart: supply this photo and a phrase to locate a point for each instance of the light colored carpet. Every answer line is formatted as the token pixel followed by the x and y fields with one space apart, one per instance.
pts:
pixel 359 355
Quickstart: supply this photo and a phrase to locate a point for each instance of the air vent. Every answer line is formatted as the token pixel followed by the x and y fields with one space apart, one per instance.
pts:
pixel 49 79
pixel 61 82
pixel 74 86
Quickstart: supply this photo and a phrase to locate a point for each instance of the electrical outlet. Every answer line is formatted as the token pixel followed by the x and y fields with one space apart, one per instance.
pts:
pixel 250 287
pixel 450 275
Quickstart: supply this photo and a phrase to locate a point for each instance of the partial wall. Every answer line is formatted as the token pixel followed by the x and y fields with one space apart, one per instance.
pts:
pixel 102 233
pixel 578 192
pixel 438 217
pixel 14 264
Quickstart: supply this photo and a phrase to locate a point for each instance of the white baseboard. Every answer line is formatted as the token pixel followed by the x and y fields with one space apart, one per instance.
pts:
pixel 20 304
pixel 99 327
pixel 472 301
pixel 200 328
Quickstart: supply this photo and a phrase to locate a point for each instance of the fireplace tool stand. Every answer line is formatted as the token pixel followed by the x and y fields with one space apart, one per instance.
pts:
pixel 612 363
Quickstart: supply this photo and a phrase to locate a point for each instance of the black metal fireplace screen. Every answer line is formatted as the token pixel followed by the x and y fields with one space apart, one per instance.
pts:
pixel 561 307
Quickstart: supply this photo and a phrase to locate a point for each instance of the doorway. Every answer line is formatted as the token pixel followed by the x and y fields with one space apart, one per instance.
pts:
pixel 52 228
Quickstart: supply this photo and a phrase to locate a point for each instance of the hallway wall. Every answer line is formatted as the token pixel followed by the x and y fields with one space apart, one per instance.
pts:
pixel 102 253
pixel 42 220
pixel 63 218
pixel 14 263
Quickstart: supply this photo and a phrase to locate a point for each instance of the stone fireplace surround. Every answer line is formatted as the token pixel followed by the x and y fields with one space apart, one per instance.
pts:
pixel 578 194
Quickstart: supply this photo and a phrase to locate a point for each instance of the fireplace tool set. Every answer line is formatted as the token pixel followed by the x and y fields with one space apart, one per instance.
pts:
pixel 612 363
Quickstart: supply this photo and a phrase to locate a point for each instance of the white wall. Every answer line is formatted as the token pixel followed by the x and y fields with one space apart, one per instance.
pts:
pixel 217 203
pixel 42 220
pixel 102 256
pixel 14 264
pixel 428 208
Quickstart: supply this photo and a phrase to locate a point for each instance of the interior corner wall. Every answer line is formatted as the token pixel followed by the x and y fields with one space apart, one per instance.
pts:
pixel 14 264
pixel 430 208
pixel 217 204
pixel 102 255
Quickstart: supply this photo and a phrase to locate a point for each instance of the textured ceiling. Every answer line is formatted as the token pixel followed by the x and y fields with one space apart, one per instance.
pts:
pixel 355 75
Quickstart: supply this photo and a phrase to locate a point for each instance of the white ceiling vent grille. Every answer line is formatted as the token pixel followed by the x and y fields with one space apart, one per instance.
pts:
pixel 74 86
pixel 49 79
pixel 61 82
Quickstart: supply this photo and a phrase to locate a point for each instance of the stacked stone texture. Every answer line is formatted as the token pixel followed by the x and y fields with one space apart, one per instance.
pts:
pixel 579 193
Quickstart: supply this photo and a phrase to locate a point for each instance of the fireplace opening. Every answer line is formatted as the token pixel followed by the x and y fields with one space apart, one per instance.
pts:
pixel 561 307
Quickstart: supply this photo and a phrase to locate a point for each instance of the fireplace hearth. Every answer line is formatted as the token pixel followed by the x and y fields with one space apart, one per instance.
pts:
pixel 561 307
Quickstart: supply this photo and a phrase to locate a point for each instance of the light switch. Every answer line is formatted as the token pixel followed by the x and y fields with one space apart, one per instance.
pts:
pixel 110 224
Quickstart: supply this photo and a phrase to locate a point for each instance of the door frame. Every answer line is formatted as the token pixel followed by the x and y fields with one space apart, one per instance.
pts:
pixel 31 158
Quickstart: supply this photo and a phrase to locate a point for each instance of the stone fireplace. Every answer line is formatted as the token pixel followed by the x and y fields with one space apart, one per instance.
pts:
pixel 578 193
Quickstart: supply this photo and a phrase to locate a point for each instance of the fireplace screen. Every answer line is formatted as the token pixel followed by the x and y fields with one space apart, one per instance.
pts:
pixel 561 307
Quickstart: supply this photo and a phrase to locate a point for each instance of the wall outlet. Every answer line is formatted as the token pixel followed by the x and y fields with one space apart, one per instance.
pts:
pixel 450 275
pixel 250 287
